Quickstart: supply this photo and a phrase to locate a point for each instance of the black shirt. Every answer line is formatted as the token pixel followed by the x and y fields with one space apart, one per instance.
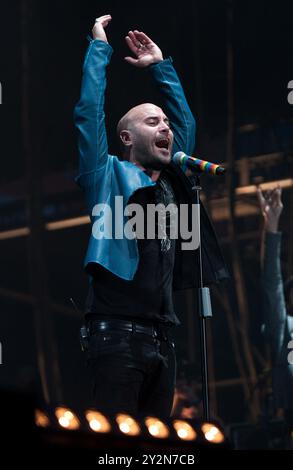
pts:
pixel 149 295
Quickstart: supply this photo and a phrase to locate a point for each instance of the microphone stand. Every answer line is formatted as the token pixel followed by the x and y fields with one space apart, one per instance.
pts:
pixel 204 310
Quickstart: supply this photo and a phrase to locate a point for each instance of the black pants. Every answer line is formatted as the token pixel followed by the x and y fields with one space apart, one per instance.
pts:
pixel 132 371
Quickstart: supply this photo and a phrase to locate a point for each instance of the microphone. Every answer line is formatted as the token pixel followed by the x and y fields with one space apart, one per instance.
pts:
pixel 200 166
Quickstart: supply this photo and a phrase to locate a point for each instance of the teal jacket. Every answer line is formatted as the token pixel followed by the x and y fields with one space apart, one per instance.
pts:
pixel 103 176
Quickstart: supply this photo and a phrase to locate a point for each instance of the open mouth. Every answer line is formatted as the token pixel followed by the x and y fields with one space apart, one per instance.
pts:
pixel 162 144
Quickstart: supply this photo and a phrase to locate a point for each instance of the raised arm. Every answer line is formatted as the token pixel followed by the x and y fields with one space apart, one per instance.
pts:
pixel 274 306
pixel 148 54
pixel 89 112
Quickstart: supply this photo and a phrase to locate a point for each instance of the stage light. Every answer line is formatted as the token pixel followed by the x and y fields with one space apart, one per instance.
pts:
pixel 157 428
pixel 97 421
pixel 128 425
pixel 41 419
pixel 212 433
pixel 135 431
pixel 66 418
pixel 184 430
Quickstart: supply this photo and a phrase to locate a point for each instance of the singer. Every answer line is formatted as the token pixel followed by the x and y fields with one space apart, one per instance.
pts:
pixel 129 311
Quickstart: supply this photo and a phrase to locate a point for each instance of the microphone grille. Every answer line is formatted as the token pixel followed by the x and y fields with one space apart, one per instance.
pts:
pixel 177 157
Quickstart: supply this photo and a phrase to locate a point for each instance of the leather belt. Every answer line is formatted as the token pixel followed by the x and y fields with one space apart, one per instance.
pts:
pixel 157 331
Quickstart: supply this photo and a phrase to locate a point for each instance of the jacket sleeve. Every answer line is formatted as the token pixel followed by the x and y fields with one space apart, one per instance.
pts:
pixel 89 113
pixel 175 105
pixel 274 306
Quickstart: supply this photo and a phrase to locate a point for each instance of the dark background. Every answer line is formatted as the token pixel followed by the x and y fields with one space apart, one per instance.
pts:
pixel 38 150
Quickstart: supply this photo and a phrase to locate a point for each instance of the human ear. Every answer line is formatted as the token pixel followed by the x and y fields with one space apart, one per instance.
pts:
pixel 125 137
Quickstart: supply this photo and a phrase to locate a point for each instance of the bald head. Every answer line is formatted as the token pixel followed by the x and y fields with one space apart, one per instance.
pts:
pixel 134 114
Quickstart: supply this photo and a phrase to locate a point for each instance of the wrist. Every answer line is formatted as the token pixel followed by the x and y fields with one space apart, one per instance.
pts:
pixel 155 62
pixel 272 227
pixel 99 39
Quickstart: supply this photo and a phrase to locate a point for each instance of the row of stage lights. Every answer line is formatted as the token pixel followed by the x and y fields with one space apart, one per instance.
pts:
pixel 95 421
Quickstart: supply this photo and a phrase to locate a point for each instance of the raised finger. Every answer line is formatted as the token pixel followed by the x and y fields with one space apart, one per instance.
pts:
pixel 260 196
pixel 275 199
pixel 131 44
pixel 101 18
pixel 279 195
pixel 134 39
pixel 142 37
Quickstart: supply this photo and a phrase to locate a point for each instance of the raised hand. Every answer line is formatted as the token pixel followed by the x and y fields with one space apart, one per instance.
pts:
pixel 271 207
pixel 145 50
pixel 98 30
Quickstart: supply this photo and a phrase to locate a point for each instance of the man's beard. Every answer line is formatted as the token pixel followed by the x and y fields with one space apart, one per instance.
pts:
pixel 156 164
